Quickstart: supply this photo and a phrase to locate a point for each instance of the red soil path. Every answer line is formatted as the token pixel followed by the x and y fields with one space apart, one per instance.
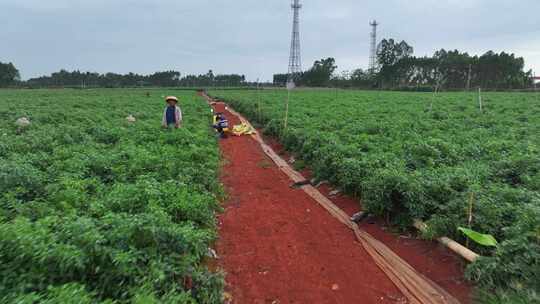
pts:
pixel 277 245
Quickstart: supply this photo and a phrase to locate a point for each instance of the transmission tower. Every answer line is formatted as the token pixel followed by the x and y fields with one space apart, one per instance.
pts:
pixel 295 59
pixel 373 48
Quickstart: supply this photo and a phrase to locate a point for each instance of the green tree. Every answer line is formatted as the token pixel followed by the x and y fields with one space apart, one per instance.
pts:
pixel 280 79
pixel 389 54
pixel 361 78
pixel 8 74
pixel 320 74
pixel 449 69
pixel 165 79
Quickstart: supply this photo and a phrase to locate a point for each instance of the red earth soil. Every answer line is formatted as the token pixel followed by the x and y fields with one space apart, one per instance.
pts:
pixel 277 245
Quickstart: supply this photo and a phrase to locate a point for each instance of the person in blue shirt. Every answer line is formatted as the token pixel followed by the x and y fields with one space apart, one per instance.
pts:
pixel 172 116
pixel 221 124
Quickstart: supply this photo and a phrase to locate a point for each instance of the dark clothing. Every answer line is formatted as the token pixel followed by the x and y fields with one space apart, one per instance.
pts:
pixel 171 115
pixel 223 123
pixel 220 125
pixel 221 132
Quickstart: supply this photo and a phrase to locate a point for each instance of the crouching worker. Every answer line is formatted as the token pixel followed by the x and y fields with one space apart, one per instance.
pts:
pixel 221 124
pixel 172 116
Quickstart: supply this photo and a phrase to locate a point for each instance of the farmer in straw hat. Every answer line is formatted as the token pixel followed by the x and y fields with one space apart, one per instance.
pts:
pixel 172 116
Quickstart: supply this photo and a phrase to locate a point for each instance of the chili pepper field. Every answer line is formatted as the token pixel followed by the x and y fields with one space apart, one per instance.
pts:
pixel 99 204
pixel 450 159
pixel 95 207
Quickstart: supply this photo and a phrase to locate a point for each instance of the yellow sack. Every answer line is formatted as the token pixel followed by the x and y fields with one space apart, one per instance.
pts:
pixel 243 129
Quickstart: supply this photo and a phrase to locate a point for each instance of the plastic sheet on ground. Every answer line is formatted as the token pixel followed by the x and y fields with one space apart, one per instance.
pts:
pixel 243 129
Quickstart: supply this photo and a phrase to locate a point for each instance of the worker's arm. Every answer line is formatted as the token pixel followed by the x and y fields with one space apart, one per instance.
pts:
pixel 178 117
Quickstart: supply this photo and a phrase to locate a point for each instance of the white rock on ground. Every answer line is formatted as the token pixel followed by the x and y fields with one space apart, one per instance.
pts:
pixel 334 192
pixel 211 253
pixel 23 122
pixel 131 118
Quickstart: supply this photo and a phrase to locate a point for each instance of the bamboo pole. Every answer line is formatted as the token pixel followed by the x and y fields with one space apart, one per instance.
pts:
pixel 287 111
pixel 258 102
pixel 434 95
pixel 535 88
pixel 432 100
pixel 480 100
pixel 471 203
pixel 469 78
pixel 456 247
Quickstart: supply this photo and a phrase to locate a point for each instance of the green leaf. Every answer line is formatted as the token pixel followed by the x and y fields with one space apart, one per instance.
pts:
pixel 482 239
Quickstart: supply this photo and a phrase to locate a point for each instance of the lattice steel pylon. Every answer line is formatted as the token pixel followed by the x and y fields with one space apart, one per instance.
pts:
pixel 373 48
pixel 295 59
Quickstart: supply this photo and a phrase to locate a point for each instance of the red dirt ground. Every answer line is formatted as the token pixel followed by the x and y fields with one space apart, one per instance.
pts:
pixel 277 245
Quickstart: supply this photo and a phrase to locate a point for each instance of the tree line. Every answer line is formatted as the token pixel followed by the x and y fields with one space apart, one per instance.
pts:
pixel 9 76
pixel 399 69
pixel 113 80
pixel 77 78
pixel 449 69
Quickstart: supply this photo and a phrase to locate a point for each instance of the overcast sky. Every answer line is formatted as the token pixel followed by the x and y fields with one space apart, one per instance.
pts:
pixel 250 37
